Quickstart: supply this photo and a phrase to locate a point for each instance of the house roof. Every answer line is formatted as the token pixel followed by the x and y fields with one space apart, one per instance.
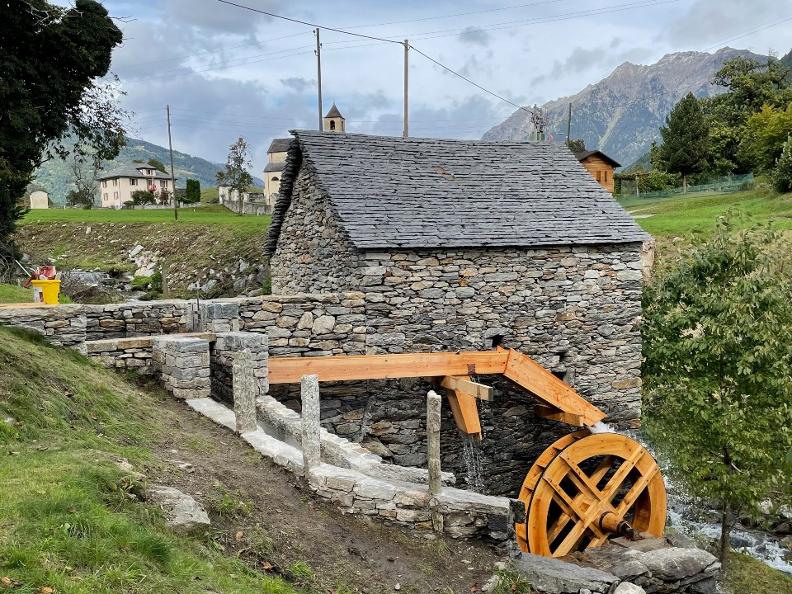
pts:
pixel 276 166
pixel 424 193
pixel 279 145
pixel 132 170
pixel 334 113
pixel 583 155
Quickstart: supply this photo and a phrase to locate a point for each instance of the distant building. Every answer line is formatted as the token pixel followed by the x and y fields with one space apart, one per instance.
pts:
pixel 600 166
pixel 117 186
pixel 39 200
pixel 279 147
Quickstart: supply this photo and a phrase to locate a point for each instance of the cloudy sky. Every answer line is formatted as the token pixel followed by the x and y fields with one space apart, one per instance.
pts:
pixel 229 72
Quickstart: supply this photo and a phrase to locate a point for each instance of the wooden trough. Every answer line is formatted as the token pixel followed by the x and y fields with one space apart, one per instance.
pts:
pixel 585 488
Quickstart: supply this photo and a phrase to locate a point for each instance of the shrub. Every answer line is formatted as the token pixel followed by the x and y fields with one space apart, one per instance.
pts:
pixel 782 176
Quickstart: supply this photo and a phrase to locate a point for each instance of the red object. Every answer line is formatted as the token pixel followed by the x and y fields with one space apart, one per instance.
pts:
pixel 41 273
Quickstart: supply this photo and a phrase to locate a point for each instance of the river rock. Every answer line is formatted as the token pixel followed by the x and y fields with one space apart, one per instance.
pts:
pixel 628 588
pixel 554 576
pixel 675 564
pixel 182 512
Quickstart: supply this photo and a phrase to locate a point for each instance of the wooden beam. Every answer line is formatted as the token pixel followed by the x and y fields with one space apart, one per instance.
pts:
pixel 465 410
pixel 550 412
pixel 289 370
pixel 526 372
pixel 467 386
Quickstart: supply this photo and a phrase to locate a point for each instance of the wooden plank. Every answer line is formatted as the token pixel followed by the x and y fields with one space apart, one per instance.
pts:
pixel 554 414
pixel 289 370
pixel 467 386
pixel 526 372
pixel 463 407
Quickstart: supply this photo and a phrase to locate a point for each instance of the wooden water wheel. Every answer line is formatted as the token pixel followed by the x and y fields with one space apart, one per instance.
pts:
pixel 586 488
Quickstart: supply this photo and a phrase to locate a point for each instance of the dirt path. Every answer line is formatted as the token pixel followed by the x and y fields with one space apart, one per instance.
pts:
pixel 268 517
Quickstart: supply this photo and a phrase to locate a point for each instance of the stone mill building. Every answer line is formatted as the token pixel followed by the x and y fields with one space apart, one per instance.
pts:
pixel 464 245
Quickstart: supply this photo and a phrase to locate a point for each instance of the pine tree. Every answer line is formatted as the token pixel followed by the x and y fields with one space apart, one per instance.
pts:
pixel 685 148
pixel 192 193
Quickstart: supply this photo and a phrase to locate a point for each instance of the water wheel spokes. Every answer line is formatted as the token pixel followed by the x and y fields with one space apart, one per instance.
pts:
pixel 585 489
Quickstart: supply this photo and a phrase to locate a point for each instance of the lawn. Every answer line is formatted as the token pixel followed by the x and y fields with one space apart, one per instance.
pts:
pixel 696 213
pixel 212 214
pixel 15 294
pixel 72 520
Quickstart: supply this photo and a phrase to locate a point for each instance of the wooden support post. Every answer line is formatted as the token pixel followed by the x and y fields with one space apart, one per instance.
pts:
pixel 311 415
pixel 433 420
pixel 467 386
pixel 244 391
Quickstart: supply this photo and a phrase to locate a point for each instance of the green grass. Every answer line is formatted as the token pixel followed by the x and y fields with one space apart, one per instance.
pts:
pixel 15 294
pixel 70 518
pixel 696 213
pixel 212 214
pixel 746 575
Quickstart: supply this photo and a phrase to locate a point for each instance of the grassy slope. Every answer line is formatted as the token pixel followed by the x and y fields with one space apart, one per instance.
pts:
pixel 66 518
pixel 15 294
pixel 696 213
pixel 204 237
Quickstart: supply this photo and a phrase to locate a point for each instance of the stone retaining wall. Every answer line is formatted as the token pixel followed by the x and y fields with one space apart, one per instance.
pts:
pixel 62 326
pixel 182 362
pixel 222 352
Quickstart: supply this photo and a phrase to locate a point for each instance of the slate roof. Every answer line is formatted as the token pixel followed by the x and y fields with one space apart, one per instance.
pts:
pixel 277 166
pixel 132 170
pixel 426 193
pixel 279 145
pixel 582 155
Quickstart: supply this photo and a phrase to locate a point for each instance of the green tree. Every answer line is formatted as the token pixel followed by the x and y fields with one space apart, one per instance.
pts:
pixel 717 384
pixel 50 60
pixel 157 164
pixel 765 134
pixel 685 148
pixel 577 145
pixel 236 175
pixel 143 197
pixel 192 194
pixel 782 176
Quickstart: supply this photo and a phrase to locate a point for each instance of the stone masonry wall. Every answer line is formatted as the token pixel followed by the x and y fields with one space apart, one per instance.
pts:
pixel 222 352
pixel 317 257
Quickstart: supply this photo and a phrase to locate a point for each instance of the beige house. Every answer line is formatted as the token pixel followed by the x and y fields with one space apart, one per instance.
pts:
pixel 39 200
pixel 117 186
pixel 276 154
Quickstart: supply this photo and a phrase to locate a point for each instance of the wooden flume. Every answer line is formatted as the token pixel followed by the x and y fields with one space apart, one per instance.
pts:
pixel 584 489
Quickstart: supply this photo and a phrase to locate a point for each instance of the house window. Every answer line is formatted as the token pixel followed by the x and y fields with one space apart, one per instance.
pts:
pixel 332 125
pixel 163 183
pixel 104 184
pixel 274 179
pixel 115 195
pixel 599 176
pixel 132 181
pixel 105 195
pixel 115 182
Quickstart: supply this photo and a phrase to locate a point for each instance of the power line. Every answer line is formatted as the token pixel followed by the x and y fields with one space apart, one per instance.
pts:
pixel 466 79
pixel 762 28
pixel 293 20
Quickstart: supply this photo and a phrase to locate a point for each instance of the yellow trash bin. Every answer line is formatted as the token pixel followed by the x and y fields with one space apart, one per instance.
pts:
pixel 46 291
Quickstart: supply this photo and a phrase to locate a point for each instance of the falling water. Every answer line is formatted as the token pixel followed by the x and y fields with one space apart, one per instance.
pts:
pixel 471 456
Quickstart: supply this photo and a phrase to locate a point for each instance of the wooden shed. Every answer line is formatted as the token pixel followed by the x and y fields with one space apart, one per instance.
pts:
pixel 600 166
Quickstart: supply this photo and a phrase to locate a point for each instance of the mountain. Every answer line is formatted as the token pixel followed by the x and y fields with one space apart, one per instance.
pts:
pixel 622 114
pixel 55 177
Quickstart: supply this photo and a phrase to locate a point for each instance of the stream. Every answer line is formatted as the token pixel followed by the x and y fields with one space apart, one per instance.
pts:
pixel 696 519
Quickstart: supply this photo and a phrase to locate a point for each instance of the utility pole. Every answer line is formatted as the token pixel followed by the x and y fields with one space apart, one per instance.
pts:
pixel 319 75
pixel 173 178
pixel 406 130
pixel 569 123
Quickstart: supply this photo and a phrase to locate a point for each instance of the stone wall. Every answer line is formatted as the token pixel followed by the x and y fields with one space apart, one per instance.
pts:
pixel 138 318
pixel 62 326
pixel 317 257
pixel 182 362
pixel 222 352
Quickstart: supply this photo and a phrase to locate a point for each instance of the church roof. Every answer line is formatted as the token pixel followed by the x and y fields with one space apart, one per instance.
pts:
pixel 427 193
pixel 334 113
pixel 279 145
